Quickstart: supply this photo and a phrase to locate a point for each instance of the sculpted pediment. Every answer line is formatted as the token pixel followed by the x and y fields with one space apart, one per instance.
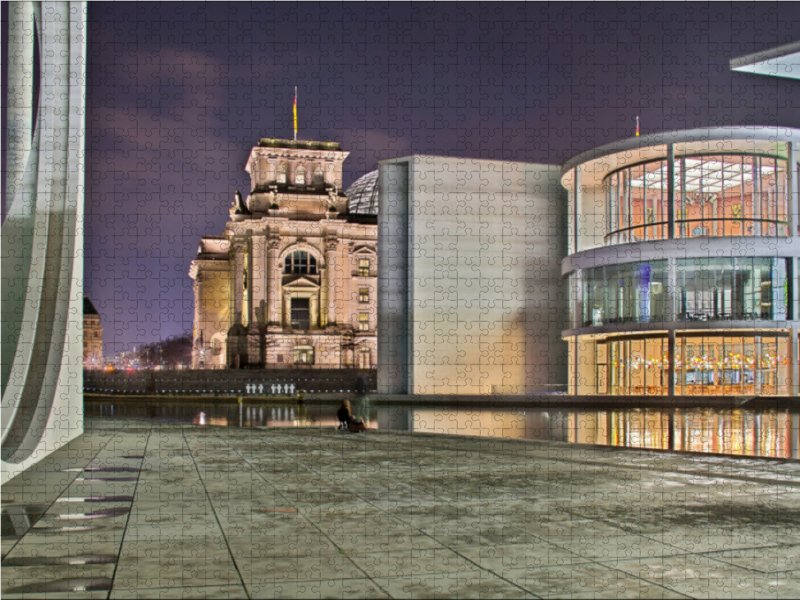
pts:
pixel 302 282
pixel 364 249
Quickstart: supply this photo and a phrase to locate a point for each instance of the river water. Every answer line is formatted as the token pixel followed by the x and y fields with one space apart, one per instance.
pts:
pixel 767 433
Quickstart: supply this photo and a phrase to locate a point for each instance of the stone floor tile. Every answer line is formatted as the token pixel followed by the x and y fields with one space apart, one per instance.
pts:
pixel 700 540
pixel 212 592
pixel 174 568
pixel 479 584
pixel 499 557
pixel 633 591
pixel 403 563
pixel 772 559
pixel 619 547
pixel 340 589
pixel 261 546
pixel 700 576
pixel 384 543
pixel 282 568
pixel 206 531
pixel 568 529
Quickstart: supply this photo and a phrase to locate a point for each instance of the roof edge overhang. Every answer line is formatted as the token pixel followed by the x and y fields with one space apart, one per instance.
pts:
pixel 417 158
pixel 782 61
pixel 705 134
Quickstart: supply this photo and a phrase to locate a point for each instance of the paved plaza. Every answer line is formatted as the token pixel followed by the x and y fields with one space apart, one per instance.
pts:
pixel 140 509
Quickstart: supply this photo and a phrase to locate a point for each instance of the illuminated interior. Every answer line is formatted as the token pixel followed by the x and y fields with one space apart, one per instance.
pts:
pixel 713 363
pixel 717 195
pixel 706 289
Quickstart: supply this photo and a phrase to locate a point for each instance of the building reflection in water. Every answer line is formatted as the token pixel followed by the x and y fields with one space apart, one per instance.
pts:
pixel 769 433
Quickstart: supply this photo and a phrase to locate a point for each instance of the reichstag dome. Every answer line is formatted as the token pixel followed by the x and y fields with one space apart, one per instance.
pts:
pixel 362 196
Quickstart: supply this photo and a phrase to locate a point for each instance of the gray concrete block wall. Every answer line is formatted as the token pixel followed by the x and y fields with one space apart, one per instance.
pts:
pixel 482 280
pixel 393 248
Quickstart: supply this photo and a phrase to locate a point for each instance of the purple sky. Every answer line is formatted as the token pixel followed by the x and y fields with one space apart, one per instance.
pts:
pixel 178 93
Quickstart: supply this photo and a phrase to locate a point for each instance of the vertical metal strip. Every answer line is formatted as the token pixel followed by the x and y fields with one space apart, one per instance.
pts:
pixel 671 192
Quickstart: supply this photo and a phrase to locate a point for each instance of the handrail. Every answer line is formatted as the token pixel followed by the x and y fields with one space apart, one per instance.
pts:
pixel 708 220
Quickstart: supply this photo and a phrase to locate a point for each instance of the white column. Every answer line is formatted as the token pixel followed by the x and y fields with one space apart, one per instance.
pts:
pixel 793 185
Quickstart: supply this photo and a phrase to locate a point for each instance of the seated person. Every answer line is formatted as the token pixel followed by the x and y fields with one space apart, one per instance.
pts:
pixel 345 415
pixel 346 420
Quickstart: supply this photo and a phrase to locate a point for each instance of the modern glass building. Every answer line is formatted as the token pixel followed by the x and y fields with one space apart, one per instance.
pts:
pixel 683 264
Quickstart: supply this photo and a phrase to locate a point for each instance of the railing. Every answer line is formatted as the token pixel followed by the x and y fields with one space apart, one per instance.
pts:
pixel 703 231
pixel 516 390
pixel 227 382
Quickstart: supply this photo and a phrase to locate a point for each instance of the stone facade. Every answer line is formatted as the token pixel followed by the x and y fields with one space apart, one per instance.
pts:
pixel 92 336
pixel 293 278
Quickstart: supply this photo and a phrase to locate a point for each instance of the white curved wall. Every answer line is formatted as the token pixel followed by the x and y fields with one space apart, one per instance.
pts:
pixel 42 236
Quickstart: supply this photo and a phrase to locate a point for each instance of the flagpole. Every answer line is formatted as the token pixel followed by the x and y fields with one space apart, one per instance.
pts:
pixel 295 113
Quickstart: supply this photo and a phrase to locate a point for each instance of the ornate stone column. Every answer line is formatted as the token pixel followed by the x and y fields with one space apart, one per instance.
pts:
pixel 329 285
pixel 257 289
pixel 313 310
pixel 198 295
pixel 258 285
pixel 273 278
pixel 238 247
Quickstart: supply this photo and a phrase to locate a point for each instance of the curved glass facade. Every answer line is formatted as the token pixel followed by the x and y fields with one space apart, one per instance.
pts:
pixel 711 363
pixel 715 195
pixel 706 289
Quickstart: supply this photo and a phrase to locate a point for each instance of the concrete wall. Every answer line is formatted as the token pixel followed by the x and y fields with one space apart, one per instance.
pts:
pixel 471 299
pixel 42 236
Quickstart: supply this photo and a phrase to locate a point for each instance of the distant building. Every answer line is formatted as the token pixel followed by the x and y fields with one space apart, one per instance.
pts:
pixel 293 278
pixel 92 336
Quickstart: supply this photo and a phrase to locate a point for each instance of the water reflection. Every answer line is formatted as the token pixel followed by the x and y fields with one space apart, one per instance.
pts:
pixel 769 433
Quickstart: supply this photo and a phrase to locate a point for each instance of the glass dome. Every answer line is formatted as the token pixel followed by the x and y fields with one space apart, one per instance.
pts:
pixel 362 196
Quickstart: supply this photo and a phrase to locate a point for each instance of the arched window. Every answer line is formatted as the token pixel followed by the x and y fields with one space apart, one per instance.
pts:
pixel 319 176
pixel 300 263
pixel 282 174
pixel 300 176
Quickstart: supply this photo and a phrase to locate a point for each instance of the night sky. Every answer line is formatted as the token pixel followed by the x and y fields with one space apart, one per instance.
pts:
pixel 179 93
